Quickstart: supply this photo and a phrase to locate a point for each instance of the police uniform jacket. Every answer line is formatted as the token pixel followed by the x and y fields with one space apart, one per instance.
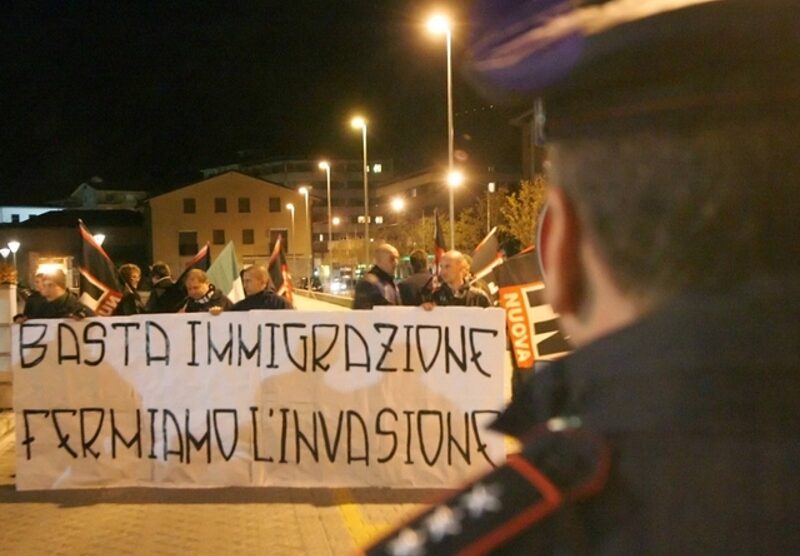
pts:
pixel 698 406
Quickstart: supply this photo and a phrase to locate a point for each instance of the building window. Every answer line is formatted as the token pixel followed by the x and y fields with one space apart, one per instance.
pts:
pixel 189 206
pixel 187 244
pixel 248 237
pixel 274 204
pixel 377 168
pixel 220 204
pixel 244 204
pixel 218 237
pixel 274 234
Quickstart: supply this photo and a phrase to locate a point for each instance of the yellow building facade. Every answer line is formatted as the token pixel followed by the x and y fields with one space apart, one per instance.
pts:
pixel 230 207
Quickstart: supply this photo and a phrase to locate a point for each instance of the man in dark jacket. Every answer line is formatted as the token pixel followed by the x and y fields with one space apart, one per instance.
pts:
pixel 255 280
pixel 670 249
pixel 203 296
pixel 377 287
pixel 412 288
pixel 58 301
pixel 453 289
pixel 161 280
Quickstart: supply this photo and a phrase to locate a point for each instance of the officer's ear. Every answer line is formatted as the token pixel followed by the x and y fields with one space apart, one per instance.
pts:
pixel 561 254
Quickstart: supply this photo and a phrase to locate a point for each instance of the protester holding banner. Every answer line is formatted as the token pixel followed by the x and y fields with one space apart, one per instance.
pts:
pixel 377 287
pixel 412 288
pixel 255 280
pixel 131 303
pixel 202 295
pixel 161 280
pixel 59 302
pixel 454 290
pixel 34 296
pixel 670 250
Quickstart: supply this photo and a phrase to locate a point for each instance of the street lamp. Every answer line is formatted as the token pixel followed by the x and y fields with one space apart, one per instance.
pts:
pixel 290 207
pixel 99 239
pixel 336 220
pixel 14 246
pixel 325 165
pixel 398 204
pixel 304 190
pixel 360 123
pixel 440 24
pixel 5 252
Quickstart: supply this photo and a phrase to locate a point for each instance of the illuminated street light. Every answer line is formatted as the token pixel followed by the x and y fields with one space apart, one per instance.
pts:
pixel 5 252
pixel 440 24
pixel 360 123
pixel 325 165
pixel 14 246
pixel 290 207
pixel 99 239
pixel 398 204
pixel 454 179
pixel 336 220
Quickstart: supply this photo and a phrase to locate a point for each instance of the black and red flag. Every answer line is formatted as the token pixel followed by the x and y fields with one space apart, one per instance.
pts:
pixel 279 272
pixel 438 241
pixel 174 296
pixel 532 324
pixel 101 289
pixel 486 255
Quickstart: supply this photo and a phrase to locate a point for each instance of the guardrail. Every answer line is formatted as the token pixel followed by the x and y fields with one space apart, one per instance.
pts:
pixel 327 297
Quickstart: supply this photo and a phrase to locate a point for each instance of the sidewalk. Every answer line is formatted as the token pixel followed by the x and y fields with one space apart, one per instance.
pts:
pixel 272 521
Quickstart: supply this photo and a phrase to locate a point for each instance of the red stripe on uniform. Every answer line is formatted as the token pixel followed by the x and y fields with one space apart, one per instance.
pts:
pixel 552 500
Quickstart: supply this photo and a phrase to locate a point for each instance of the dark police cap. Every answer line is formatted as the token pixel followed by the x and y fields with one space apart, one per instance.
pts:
pixel 619 62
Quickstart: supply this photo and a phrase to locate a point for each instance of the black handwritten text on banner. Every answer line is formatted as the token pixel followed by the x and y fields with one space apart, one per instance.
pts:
pixel 389 398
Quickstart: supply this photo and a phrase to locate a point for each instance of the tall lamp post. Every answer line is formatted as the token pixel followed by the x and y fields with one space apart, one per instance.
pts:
pixel 290 206
pixel 440 24
pixel 325 165
pixel 489 190
pixel 360 123
pixel 304 191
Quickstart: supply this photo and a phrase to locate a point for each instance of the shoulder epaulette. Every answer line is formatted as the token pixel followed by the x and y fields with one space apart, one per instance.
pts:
pixel 555 469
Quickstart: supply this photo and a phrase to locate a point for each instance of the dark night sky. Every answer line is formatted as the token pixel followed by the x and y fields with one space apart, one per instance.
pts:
pixel 147 94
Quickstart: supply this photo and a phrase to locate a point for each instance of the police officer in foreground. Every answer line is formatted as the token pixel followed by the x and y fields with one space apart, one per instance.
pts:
pixel 670 249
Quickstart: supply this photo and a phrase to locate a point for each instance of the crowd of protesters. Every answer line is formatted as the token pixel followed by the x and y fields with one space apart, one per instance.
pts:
pixel 451 286
pixel 51 298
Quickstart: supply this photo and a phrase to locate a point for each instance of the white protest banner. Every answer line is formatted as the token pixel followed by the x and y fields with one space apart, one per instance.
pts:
pixel 267 398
